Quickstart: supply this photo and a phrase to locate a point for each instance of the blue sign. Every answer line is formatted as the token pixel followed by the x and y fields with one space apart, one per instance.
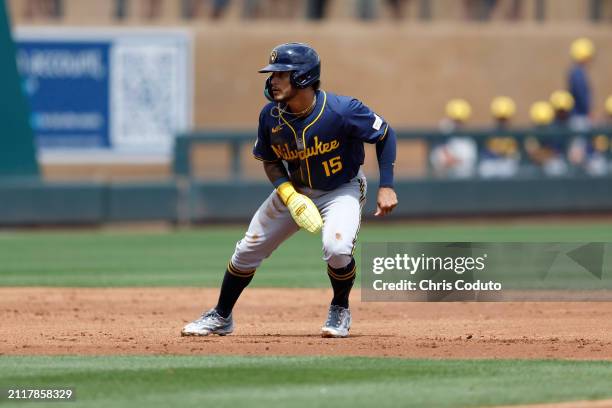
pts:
pixel 67 83
pixel 108 95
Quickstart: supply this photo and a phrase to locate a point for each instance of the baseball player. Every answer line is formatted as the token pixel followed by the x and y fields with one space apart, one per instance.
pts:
pixel 582 52
pixel 456 156
pixel 562 102
pixel 311 145
pixel 547 153
pixel 499 155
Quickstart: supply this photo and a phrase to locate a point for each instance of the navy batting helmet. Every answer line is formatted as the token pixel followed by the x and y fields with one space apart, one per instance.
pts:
pixel 300 59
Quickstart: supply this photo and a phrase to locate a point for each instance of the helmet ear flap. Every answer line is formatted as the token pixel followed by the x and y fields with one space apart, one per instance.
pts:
pixel 296 80
pixel 268 89
pixel 303 79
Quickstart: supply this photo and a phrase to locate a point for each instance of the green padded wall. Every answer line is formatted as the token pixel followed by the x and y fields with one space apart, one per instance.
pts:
pixel 17 153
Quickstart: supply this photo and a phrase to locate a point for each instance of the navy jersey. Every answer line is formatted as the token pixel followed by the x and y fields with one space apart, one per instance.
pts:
pixel 324 149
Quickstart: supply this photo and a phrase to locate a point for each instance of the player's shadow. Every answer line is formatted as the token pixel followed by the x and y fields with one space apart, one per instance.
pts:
pixel 270 337
pixel 308 336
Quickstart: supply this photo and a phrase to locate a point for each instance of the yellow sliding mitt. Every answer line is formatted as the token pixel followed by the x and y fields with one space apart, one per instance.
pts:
pixel 302 209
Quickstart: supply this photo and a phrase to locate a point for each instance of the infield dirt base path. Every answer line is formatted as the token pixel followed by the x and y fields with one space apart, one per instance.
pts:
pixel 287 322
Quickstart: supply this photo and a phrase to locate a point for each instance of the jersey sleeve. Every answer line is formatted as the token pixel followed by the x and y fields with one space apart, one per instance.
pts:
pixel 363 123
pixel 262 149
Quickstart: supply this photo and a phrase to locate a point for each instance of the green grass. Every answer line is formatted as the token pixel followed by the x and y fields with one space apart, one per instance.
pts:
pixel 307 381
pixel 198 257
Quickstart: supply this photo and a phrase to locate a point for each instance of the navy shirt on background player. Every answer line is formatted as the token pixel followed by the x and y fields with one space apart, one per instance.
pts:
pixel 580 90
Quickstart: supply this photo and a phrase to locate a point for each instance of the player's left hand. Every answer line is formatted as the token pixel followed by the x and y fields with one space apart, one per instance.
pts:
pixel 386 201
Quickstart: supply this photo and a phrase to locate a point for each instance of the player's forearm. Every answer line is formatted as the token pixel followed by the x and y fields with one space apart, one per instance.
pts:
pixel 386 153
pixel 276 172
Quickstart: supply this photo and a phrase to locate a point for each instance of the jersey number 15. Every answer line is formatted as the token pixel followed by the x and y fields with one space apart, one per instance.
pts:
pixel 332 166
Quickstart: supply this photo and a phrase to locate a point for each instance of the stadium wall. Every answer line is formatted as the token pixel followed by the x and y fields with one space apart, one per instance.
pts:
pixel 24 202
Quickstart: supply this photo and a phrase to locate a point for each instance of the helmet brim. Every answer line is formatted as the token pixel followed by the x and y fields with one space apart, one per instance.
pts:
pixel 278 68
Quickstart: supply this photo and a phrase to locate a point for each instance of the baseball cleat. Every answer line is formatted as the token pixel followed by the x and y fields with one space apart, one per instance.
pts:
pixel 210 322
pixel 338 322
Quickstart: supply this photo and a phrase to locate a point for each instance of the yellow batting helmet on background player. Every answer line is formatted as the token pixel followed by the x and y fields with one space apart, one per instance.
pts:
pixel 562 101
pixel 458 110
pixel 503 107
pixel 541 113
pixel 582 49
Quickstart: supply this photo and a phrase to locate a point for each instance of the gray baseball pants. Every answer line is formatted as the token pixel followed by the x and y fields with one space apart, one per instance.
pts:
pixel 272 225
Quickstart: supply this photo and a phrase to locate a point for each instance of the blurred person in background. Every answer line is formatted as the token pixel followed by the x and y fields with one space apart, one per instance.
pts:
pixel 549 153
pixel 219 7
pixel 366 9
pixel 121 11
pixel 194 8
pixel 499 155
pixel 562 103
pixel 582 52
pixel 316 9
pixel 589 153
pixel 601 10
pixel 603 142
pixel 485 10
pixel 456 156
pixel 541 114
pixel 509 10
pixel 191 8
pixel 151 10
pixel 42 9
pixel 478 10
pixel 398 8
pixel 252 9
pixel 271 8
pixel 503 110
pixel 457 112
pixel 596 154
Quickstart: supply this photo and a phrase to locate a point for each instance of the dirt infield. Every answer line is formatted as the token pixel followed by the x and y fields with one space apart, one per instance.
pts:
pixel 287 322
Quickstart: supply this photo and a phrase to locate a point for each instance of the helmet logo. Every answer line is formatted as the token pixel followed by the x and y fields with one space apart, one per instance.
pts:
pixel 273 56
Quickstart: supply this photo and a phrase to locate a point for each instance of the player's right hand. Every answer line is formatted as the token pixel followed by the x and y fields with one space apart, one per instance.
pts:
pixel 302 209
pixel 386 201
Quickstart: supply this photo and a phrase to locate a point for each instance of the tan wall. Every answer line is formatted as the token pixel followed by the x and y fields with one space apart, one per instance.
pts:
pixel 405 73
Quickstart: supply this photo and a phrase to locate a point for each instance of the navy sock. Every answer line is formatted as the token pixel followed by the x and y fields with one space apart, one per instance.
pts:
pixel 233 284
pixel 342 280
